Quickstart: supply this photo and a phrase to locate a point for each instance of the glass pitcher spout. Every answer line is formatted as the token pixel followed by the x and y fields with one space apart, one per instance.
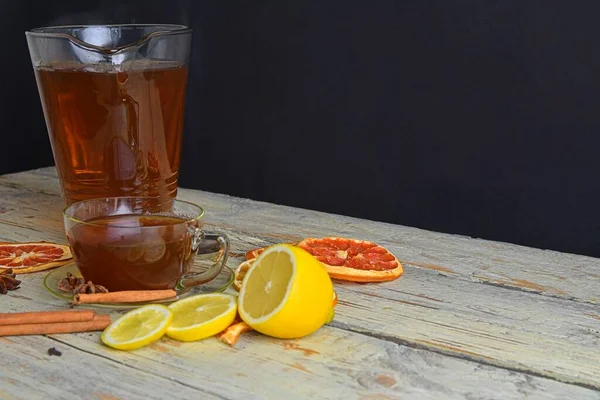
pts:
pixel 114 44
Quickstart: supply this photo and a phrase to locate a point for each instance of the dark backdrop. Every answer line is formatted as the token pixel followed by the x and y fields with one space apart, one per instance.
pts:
pixel 477 117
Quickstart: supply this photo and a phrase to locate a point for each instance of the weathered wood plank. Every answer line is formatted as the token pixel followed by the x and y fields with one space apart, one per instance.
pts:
pixel 508 306
pixel 509 333
pixel 28 372
pixel 467 319
pixel 541 271
pixel 546 272
pixel 332 363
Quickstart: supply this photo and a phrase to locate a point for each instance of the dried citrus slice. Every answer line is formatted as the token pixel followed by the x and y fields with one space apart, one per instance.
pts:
pixel 350 259
pixel 240 273
pixel 33 256
pixel 254 253
pixel 354 260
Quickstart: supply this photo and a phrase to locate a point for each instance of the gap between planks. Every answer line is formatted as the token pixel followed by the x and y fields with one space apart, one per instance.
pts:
pixel 267 239
pixel 465 356
pixel 459 355
pixel 201 390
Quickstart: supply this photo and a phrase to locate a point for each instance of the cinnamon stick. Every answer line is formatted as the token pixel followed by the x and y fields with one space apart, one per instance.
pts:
pixel 98 323
pixel 126 296
pixel 45 317
pixel 231 335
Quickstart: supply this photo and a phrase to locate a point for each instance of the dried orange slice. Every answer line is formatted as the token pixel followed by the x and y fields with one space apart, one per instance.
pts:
pixel 350 259
pixel 240 272
pixel 29 257
pixel 354 260
pixel 254 253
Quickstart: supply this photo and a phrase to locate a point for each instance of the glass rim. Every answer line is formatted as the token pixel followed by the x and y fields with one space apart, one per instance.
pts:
pixel 200 211
pixel 65 32
pixel 41 30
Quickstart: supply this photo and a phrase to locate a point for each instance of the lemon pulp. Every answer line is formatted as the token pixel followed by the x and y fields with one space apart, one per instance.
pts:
pixel 269 288
pixel 286 294
pixel 201 316
pixel 138 327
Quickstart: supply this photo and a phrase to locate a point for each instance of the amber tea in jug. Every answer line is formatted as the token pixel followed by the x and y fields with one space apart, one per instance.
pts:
pixel 113 99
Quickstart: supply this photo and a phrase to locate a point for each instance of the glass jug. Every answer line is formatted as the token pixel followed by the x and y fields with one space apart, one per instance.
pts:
pixel 113 99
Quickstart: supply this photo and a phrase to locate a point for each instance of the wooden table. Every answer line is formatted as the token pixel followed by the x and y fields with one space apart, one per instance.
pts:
pixel 469 319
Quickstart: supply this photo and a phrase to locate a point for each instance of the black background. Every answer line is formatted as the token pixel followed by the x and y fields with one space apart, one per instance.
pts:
pixel 476 117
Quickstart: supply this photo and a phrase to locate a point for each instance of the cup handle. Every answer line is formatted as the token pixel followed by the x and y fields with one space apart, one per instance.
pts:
pixel 207 242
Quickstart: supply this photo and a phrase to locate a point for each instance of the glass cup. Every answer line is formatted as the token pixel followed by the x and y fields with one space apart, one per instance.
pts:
pixel 122 243
pixel 113 99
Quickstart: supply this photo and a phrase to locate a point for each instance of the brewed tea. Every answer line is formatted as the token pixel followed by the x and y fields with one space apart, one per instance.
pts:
pixel 115 130
pixel 132 252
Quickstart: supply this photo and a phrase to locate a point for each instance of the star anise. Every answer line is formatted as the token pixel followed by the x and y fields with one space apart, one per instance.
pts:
pixel 70 283
pixel 89 288
pixel 8 281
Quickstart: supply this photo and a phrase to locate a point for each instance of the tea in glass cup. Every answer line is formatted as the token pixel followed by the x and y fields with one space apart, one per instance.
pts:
pixel 122 243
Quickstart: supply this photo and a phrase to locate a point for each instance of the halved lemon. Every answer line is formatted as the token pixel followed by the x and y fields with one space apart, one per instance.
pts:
pixel 138 328
pixel 201 316
pixel 286 294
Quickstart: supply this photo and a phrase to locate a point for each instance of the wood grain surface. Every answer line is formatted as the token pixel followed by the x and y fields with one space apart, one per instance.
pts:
pixel 469 319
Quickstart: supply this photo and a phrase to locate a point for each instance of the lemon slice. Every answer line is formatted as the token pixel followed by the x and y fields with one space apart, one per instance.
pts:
pixel 286 294
pixel 138 328
pixel 201 316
